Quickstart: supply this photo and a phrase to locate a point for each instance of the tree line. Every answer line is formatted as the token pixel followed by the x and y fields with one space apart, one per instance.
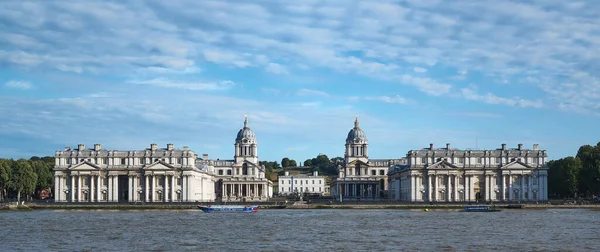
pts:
pixel 24 177
pixel 574 177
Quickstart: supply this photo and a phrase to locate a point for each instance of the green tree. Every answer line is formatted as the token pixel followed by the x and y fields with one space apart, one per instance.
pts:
pixel 24 178
pixel 292 163
pixel 589 175
pixel 563 177
pixel 308 162
pixel 285 162
pixel 44 171
pixel 5 176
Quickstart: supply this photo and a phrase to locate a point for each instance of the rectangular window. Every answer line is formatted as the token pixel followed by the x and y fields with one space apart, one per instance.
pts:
pixel 535 160
pixel 282 182
pixel 220 172
pixel 461 160
pixel 123 161
pixel 423 160
pixel 319 182
pixel 382 172
pixel 228 172
pixel 373 172
pixel 313 182
pixel 142 160
pixel 498 160
pixel 479 160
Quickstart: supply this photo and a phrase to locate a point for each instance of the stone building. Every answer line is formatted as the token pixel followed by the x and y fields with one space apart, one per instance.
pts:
pixel 452 175
pixel 302 183
pixel 150 175
pixel 242 178
pixel 360 177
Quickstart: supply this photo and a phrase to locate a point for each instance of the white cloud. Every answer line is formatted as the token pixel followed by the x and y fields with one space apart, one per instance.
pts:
pixel 18 84
pixel 311 92
pixel 65 68
pixel 276 68
pixel 163 82
pixel 419 70
pixel 387 99
pixel 490 98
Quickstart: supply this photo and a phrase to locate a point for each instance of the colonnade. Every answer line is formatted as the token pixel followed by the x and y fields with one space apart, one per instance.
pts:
pixel 455 187
pixel 239 191
pixel 354 190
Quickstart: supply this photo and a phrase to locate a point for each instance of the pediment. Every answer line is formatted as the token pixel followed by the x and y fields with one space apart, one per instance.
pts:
pixel 357 161
pixel 84 166
pixel 442 164
pixel 516 165
pixel 159 166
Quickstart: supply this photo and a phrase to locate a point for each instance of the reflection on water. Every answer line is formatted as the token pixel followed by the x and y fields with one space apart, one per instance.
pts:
pixel 306 230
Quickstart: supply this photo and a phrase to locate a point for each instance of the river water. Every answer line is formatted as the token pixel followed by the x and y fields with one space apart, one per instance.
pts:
pixel 300 230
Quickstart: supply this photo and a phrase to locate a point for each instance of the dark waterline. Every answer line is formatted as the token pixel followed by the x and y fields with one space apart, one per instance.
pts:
pixel 300 230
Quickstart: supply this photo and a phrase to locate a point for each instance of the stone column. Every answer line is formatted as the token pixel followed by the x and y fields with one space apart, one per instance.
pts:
pixel 109 189
pixel 135 189
pixel 98 189
pixel 429 189
pixel 116 185
pixel 153 189
pixel 56 187
pixel 523 187
pixel 147 189
pixel 435 188
pixel 529 188
pixel 184 188
pixel 456 182
pixel 91 191
pixel 448 190
pixel 166 189
pixel 79 188
pixel 130 188
pixel 173 199
pixel 503 185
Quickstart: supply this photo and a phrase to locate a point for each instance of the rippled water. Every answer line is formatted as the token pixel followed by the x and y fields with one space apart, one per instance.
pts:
pixel 300 230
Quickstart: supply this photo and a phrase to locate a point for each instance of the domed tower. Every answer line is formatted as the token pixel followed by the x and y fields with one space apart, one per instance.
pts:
pixel 357 145
pixel 246 147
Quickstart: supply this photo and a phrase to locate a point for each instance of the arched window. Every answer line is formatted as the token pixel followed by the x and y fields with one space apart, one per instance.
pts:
pixel 245 169
pixel 357 169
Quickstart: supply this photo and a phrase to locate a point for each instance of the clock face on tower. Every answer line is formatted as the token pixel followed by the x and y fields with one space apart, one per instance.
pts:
pixel 244 140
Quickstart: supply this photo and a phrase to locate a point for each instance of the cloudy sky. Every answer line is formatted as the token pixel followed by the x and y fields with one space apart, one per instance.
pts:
pixel 126 74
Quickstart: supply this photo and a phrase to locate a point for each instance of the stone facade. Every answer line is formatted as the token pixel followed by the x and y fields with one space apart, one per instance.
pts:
pixel 360 177
pixel 243 178
pixel 150 175
pixel 302 183
pixel 452 175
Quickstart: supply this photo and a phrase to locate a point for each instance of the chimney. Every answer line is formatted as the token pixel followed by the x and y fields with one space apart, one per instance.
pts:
pixel 536 147
pixel 287 173
pixel 520 146
pixel 97 147
pixel 153 147
pixel 204 156
pixel 67 148
pixel 503 146
pixel 185 147
pixel 81 147
pixel 170 146
pixel 315 173
pixel 431 146
pixel 447 146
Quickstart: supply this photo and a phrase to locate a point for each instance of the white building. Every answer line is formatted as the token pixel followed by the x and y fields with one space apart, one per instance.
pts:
pixel 452 175
pixel 359 176
pixel 301 183
pixel 150 175
pixel 243 178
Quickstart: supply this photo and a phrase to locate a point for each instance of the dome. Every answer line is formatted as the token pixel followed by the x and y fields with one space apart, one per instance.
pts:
pixel 356 135
pixel 245 135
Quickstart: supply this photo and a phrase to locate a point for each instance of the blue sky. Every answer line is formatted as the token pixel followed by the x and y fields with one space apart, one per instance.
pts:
pixel 130 73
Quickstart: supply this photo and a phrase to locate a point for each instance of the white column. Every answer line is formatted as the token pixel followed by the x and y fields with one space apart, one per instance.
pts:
pixel 413 189
pixel 109 189
pixel 184 188
pixel 135 189
pixel 130 188
pixel 146 189
pixel 435 188
pixel 429 189
pixel 529 189
pixel 56 188
pixel 78 188
pixel 98 189
pixel 456 182
pixel 153 189
pixel 91 193
pixel 510 188
pixel 503 185
pixel 523 187
pixel 173 199
pixel 166 189
pixel 116 185
pixel 448 190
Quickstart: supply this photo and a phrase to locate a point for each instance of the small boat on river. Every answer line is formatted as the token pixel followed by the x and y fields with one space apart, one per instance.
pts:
pixel 228 209
pixel 480 209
